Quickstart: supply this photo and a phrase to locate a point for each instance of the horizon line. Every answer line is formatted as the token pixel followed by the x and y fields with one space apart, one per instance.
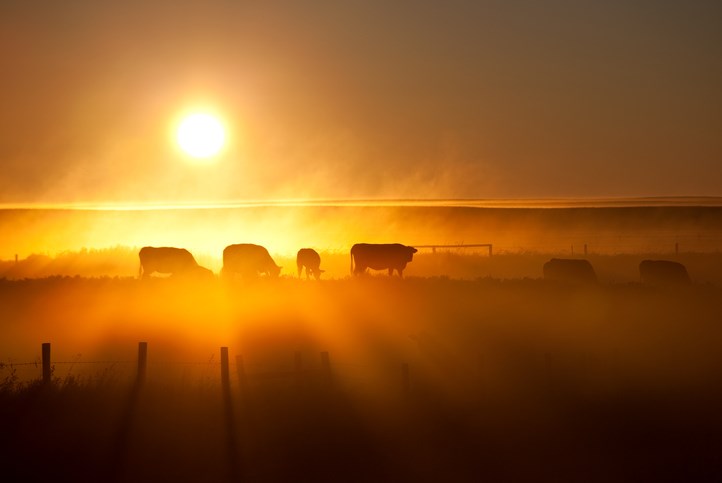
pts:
pixel 551 202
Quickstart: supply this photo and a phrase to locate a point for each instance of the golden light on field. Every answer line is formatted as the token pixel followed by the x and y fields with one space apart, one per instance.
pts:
pixel 201 135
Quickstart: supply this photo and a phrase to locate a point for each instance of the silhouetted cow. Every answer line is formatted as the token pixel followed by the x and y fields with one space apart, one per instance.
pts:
pixel 311 260
pixel 663 272
pixel 169 260
pixel 248 260
pixel 392 256
pixel 569 271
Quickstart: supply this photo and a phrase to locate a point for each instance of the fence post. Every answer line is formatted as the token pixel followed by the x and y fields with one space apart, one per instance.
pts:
pixel 142 361
pixel 326 368
pixel 585 249
pixel 47 373
pixel 241 371
pixel 490 249
pixel 405 383
pixel 225 372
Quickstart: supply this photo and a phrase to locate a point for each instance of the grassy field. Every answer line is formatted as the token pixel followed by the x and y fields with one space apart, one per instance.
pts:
pixel 452 263
pixel 510 379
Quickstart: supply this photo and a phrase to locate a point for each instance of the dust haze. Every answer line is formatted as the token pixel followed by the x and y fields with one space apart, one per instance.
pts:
pixel 547 327
pixel 472 362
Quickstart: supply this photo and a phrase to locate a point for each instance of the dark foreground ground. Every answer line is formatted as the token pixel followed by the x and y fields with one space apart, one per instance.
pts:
pixel 517 380
pixel 108 434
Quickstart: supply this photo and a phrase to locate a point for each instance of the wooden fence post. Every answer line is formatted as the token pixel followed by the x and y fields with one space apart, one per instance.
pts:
pixel 326 368
pixel 490 249
pixel 585 249
pixel 47 373
pixel 142 361
pixel 231 441
pixel 225 372
pixel 241 371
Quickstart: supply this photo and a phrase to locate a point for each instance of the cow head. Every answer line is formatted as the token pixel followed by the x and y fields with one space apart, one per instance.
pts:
pixel 411 251
pixel 275 270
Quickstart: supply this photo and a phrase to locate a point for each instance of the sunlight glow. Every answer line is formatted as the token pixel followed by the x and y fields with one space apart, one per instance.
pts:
pixel 201 135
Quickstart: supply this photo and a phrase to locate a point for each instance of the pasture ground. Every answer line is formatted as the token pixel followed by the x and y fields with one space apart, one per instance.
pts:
pixel 509 380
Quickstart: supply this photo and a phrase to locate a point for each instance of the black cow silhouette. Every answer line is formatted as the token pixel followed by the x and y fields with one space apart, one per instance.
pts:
pixel 391 256
pixel 309 259
pixel 569 270
pixel 663 272
pixel 171 261
pixel 248 260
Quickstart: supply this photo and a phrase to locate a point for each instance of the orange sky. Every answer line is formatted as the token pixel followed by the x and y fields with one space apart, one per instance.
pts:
pixel 328 99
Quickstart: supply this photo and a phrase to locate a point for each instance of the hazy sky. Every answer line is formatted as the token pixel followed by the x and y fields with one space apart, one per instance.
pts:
pixel 336 99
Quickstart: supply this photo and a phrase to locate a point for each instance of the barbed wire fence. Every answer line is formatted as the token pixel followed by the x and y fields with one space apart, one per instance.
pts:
pixel 320 373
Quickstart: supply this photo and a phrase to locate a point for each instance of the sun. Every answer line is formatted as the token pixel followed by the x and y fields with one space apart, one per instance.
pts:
pixel 201 135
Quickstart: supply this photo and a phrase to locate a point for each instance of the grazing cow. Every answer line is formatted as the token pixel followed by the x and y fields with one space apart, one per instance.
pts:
pixel 169 260
pixel 391 256
pixel 663 272
pixel 311 260
pixel 248 260
pixel 569 271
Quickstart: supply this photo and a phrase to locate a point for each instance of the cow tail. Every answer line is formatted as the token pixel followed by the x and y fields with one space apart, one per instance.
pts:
pixel 140 270
pixel 351 268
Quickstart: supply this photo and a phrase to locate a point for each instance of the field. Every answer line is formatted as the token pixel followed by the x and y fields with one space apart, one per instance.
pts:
pixel 471 368
pixel 508 380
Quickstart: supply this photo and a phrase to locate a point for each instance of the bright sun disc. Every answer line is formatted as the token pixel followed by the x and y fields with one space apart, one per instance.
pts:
pixel 200 135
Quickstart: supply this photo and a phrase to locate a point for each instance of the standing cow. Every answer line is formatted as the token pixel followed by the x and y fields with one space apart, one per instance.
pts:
pixel 663 272
pixel 569 270
pixel 169 260
pixel 311 260
pixel 248 260
pixel 391 256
